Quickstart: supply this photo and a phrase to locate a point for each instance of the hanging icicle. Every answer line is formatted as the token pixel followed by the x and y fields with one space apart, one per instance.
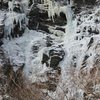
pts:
pixel 10 5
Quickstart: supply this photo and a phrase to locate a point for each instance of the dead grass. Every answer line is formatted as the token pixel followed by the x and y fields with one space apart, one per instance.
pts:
pixel 17 87
pixel 88 80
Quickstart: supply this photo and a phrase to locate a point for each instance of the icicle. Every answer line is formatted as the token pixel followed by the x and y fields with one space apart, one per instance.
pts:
pixel 50 8
pixel 10 5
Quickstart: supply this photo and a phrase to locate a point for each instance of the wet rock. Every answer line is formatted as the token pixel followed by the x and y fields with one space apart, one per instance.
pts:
pixel 87 2
pixel 61 29
pixel 60 21
pixel 84 61
pixel 30 2
pixel 43 27
pixel 63 16
pixel 3 4
pixel 35 23
pixel 35 49
pixel 17 9
pixel 17 31
pixel 56 56
pixel 1 42
pixel 49 41
pixel 1 29
pixel 85 58
pixel 91 31
pixel 76 38
pixel 39 20
pixel 45 59
pixel 57 51
pixel 97 21
pixel 90 42
pixel 55 62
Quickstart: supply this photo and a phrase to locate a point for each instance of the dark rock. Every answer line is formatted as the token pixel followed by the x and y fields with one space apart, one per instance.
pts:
pixel 45 59
pixel 82 37
pixel 1 42
pixel 57 51
pixel 61 29
pixel 91 2
pixel 76 38
pixel 60 21
pixel 56 56
pixel 96 31
pixel 17 9
pixel 17 31
pixel 1 31
pixel 90 30
pixel 84 61
pixel 77 10
pixel 38 20
pixel 3 5
pixel 74 57
pixel 97 21
pixel 32 24
pixel 78 31
pixel 87 2
pixel 30 2
pixel 74 65
pixel 90 43
pixel 84 30
pixel 54 62
pixel 21 32
pixel 35 49
pixel 43 15
pixel 85 58
pixel 44 28
pixel 63 16
pixel 49 41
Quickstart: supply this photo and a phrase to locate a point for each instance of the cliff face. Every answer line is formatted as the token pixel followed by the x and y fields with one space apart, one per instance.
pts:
pixel 49 50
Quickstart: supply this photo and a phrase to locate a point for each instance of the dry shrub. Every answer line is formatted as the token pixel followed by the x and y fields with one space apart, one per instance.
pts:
pixel 88 79
pixel 18 88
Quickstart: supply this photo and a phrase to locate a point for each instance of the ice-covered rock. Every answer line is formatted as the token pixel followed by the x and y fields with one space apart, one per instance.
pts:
pixel 59 49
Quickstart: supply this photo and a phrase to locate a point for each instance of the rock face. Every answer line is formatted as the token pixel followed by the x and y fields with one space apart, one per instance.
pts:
pixel 88 2
pixel 17 31
pixel 56 55
pixel 39 20
pixel 45 59
pixel 2 18
pixel 1 31
pixel 4 4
